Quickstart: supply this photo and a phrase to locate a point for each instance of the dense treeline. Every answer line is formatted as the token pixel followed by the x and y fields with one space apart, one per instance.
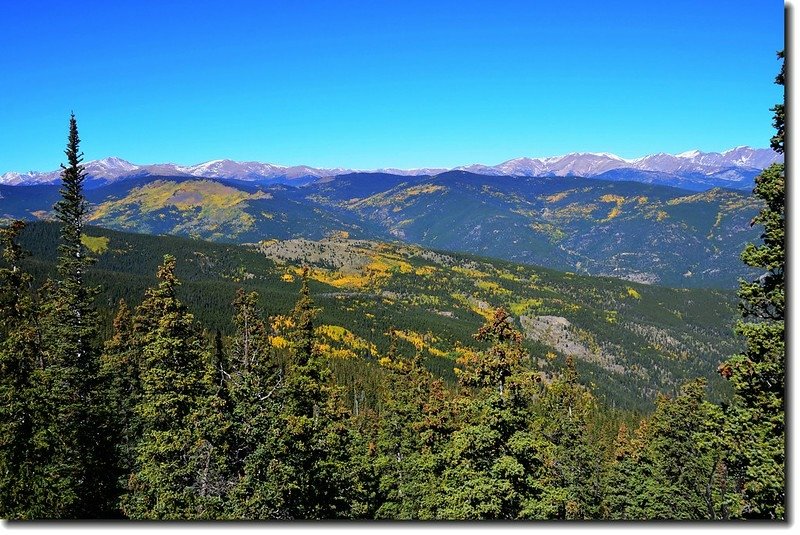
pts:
pixel 690 338
pixel 253 426
pixel 166 418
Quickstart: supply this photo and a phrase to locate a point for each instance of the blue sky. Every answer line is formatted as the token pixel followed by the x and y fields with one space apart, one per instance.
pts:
pixel 384 83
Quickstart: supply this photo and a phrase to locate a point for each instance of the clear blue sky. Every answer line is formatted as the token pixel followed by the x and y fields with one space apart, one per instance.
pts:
pixel 383 83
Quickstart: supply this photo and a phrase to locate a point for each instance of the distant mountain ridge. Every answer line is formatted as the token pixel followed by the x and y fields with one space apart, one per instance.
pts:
pixel 733 168
pixel 640 232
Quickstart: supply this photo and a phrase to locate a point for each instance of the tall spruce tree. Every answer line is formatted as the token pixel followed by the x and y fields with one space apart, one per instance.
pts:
pixel 312 459
pixel 758 375
pixel 621 489
pixel 71 440
pixel 303 334
pixel 75 337
pixel 570 483
pixel 255 381
pixel 673 469
pixel 402 462
pixel 779 118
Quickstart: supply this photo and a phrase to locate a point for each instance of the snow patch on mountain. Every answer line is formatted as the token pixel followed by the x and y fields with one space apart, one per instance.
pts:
pixel 733 165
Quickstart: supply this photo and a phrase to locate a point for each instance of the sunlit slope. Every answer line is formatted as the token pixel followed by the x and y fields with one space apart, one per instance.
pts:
pixel 216 210
pixel 637 232
pixel 630 340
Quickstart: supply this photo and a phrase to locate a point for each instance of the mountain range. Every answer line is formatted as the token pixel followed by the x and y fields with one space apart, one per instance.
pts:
pixel 694 170
pixel 639 232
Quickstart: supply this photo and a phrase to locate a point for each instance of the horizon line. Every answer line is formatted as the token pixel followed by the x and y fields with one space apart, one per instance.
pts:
pixel 389 167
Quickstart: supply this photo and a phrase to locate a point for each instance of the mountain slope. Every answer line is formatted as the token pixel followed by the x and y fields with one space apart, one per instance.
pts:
pixel 630 340
pixel 640 232
pixel 227 211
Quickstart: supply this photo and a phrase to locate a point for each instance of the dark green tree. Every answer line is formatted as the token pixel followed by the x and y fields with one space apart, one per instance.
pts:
pixel 570 485
pixel 403 462
pixel 757 415
pixel 303 315
pixel 19 354
pixel 74 339
pixel 218 353
pixel 621 474
pixel 255 381
pixel 493 459
pixel 779 119
pixel 438 423
pixel 72 445
pixel 312 459
pixel 180 459
pixel 673 469
pixel 120 372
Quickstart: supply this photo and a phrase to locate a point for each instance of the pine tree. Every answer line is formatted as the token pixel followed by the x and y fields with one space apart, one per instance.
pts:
pixel 255 382
pixel 219 360
pixel 439 421
pixel 757 415
pixel 180 463
pixel 620 486
pixel 250 352
pixel 315 473
pixel 19 353
pixel 401 461
pixel 75 317
pixel 673 469
pixel 493 459
pixel 303 334
pixel 120 372
pixel 71 440
pixel 779 119
pixel 571 483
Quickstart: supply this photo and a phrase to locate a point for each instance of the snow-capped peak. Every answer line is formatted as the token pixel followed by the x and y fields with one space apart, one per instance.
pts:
pixel 606 155
pixel 113 161
pixel 112 165
pixel 585 164
pixel 739 148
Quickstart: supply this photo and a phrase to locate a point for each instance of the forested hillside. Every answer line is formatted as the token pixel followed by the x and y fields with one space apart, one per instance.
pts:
pixel 629 341
pixel 282 418
pixel 638 232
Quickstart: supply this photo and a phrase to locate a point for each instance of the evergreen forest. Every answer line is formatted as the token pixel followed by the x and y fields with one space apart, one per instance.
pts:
pixel 124 396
